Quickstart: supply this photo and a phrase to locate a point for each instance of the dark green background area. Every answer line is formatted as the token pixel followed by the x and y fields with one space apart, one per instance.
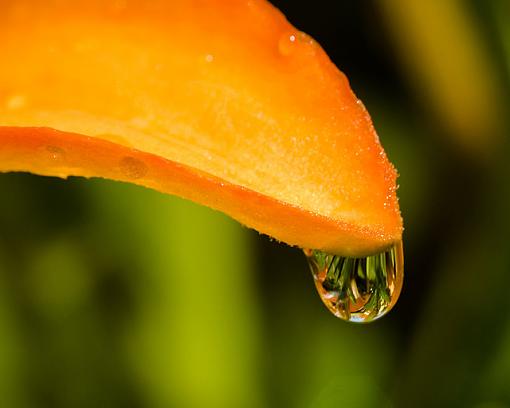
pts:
pixel 112 295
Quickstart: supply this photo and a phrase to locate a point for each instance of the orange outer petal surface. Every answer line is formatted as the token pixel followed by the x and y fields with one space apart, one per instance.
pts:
pixel 221 102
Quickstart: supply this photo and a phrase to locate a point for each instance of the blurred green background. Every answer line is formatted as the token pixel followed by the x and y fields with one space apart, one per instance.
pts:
pixel 113 295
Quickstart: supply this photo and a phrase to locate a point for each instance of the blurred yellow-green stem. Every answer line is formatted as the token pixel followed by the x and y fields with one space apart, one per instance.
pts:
pixel 10 344
pixel 448 64
pixel 197 301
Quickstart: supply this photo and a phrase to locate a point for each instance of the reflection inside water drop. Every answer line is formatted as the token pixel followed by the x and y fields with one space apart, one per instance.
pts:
pixel 358 289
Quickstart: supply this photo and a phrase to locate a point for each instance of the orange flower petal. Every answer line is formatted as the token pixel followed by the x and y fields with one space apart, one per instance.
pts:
pixel 221 102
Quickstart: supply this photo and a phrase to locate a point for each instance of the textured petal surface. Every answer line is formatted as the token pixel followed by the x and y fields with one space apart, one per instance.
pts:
pixel 222 102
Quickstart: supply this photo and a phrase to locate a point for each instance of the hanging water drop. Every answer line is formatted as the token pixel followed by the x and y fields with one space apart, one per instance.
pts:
pixel 358 289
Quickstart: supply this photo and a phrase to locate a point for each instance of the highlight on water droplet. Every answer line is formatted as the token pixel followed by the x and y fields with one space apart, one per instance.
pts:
pixel 358 289
pixel 287 44
pixel 55 153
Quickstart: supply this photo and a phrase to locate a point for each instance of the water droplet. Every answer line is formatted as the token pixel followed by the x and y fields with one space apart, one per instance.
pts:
pixel 55 153
pixel 133 168
pixel 16 102
pixel 358 289
pixel 287 44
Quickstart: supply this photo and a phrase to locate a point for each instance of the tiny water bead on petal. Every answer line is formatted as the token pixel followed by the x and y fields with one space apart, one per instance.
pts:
pixel 358 289
pixel 287 43
pixel 55 153
pixel 293 41
pixel 133 168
